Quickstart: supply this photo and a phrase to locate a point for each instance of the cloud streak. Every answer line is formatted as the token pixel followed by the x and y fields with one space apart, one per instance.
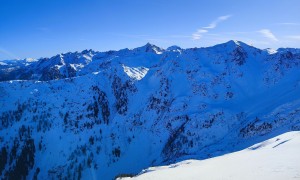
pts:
pixel 200 32
pixel 268 34
pixel 8 54
pixel 288 24
pixel 297 37
pixel 197 35
pixel 214 24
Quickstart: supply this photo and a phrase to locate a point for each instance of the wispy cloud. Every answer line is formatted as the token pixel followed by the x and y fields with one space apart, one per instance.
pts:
pixel 8 54
pixel 297 37
pixel 288 24
pixel 200 32
pixel 214 24
pixel 197 35
pixel 268 34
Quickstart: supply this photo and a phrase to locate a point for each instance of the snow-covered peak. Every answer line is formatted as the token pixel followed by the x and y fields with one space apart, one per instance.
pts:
pixel 174 48
pixel 231 43
pixel 234 42
pixel 90 51
pixel 150 48
pixel 237 48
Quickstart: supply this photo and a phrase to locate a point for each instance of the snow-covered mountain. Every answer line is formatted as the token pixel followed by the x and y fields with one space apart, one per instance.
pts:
pixel 96 115
pixel 276 158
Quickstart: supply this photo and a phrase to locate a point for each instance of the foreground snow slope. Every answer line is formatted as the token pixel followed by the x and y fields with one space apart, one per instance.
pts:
pixel 276 158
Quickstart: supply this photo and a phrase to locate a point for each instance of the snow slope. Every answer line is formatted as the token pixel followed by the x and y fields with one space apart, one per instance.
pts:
pixel 95 115
pixel 276 158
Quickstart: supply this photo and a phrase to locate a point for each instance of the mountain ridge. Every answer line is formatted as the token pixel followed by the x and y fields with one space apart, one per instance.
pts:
pixel 72 62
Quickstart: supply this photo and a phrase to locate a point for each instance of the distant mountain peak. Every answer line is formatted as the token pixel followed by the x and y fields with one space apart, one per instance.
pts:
pixel 234 43
pixel 174 48
pixel 86 51
pixel 150 48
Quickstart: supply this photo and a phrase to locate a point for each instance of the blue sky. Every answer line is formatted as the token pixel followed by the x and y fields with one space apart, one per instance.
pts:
pixel 43 28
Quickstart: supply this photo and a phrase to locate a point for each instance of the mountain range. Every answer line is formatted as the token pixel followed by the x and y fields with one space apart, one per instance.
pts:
pixel 100 115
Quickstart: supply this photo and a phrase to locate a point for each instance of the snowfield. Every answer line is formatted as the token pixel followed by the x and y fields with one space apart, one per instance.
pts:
pixel 276 158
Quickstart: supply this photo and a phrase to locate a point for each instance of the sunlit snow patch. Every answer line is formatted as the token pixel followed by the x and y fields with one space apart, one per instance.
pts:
pixel 30 60
pixel 271 51
pixel 157 51
pixel 136 73
pixel 3 64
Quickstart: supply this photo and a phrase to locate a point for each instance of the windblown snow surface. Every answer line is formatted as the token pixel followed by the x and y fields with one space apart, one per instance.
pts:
pixel 274 159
